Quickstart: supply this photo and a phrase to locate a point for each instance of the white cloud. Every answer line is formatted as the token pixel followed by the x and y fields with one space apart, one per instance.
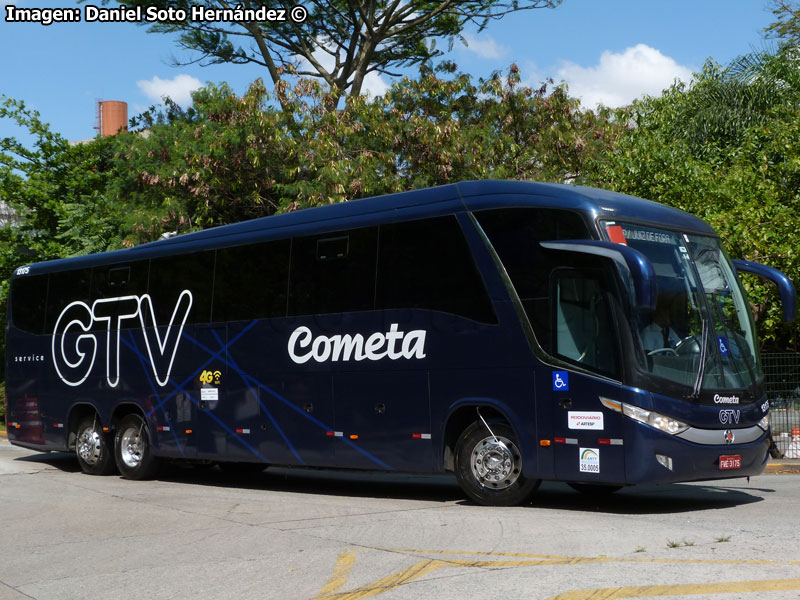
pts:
pixel 485 47
pixel 179 88
pixel 620 78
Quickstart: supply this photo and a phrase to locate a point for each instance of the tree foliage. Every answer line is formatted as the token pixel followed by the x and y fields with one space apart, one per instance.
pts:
pixel 787 25
pixel 726 149
pixel 232 158
pixel 340 41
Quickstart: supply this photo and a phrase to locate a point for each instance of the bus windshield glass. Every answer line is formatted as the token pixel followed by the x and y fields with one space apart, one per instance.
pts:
pixel 701 334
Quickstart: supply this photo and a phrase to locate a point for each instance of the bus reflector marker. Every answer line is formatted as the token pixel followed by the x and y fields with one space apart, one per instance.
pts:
pixel 546 443
pixel 162 428
pixel 188 431
pixel 61 426
pixel 421 436
pixel 241 431
pixel 354 436
pixel 334 433
pixel 609 442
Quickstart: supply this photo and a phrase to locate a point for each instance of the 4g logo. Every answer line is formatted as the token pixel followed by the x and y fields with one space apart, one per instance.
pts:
pixel 208 377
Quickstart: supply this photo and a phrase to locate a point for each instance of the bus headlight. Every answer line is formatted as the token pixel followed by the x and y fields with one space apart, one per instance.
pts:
pixel 764 423
pixel 648 417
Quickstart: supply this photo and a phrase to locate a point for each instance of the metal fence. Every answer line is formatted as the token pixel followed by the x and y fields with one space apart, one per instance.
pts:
pixel 782 373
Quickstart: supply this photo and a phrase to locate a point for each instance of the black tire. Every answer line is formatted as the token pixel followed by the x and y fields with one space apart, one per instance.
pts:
pixel 133 449
pixel 93 448
pixel 501 483
pixel 595 489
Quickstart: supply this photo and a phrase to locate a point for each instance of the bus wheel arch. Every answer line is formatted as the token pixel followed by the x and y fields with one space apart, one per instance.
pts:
pixel 462 417
pixel 133 446
pixel 92 443
pixel 483 449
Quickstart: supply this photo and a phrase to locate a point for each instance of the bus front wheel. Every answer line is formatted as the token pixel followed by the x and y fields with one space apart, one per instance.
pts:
pixel 489 466
pixel 133 449
pixel 92 448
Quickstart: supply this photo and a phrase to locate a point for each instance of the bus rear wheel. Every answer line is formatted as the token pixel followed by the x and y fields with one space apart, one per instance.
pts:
pixel 133 449
pixel 489 466
pixel 92 448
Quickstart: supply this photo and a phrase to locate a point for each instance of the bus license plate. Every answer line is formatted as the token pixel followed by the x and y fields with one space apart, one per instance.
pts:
pixel 732 461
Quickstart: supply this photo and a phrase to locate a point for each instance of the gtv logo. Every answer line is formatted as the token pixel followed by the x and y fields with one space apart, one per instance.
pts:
pixel 74 364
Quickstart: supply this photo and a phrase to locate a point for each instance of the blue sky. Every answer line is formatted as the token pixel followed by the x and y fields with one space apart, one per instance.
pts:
pixel 608 51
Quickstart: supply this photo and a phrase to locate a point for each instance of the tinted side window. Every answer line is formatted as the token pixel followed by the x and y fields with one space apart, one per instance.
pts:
pixel 118 281
pixel 583 322
pixel 171 275
pixel 427 264
pixel 251 281
pixel 333 273
pixel 66 287
pixel 126 279
pixel 515 234
pixel 28 301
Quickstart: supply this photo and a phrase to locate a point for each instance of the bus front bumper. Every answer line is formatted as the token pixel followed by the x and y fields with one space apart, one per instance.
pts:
pixel 657 457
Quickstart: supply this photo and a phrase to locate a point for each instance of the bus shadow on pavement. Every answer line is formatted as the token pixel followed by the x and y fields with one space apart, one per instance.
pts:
pixel 63 461
pixel 649 499
pixel 642 499
pixel 326 482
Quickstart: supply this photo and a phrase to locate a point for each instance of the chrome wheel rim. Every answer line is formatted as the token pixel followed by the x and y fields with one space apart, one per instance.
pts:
pixel 131 447
pixel 496 462
pixel 89 446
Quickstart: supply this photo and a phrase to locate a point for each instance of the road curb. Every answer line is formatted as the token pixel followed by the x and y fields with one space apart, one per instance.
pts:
pixel 783 467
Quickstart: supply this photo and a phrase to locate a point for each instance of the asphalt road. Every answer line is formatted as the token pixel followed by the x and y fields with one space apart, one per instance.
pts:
pixel 203 534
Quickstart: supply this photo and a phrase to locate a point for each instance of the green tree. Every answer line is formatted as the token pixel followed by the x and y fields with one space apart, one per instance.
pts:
pixel 787 26
pixel 56 191
pixel 341 41
pixel 232 158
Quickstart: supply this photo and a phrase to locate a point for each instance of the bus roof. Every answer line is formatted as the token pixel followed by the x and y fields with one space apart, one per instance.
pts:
pixel 594 203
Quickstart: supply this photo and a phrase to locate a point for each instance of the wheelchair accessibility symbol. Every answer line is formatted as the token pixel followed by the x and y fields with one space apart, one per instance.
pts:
pixel 560 381
pixel 723 345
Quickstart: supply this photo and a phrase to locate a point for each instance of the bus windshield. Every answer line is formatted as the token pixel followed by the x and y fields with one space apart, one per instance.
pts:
pixel 701 333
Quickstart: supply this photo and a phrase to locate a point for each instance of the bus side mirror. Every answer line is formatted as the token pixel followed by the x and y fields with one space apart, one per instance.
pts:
pixel 639 268
pixel 785 285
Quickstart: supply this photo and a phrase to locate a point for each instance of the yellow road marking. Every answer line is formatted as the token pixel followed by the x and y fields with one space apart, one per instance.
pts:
pixel 341 571
pixel 389 582
pixel 686 589
pixel 557 559
pixel 346 560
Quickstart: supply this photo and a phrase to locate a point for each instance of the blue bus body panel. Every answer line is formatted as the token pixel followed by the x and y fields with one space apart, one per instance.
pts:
pixel 262 406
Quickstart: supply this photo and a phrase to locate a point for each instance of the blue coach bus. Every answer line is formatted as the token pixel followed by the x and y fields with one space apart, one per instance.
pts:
pixel 510 332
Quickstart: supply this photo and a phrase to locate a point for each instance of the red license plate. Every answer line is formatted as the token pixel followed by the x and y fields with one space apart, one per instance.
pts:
pixel 731 461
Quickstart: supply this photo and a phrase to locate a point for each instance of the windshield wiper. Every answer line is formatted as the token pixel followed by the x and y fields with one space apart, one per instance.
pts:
pixel 703 353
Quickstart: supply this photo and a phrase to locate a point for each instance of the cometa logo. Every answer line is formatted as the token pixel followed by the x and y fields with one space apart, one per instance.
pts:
pixel 75 362
pixel 393 344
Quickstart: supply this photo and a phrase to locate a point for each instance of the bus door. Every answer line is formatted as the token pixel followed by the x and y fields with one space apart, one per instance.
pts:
pixel 384 420
pixel 587 441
